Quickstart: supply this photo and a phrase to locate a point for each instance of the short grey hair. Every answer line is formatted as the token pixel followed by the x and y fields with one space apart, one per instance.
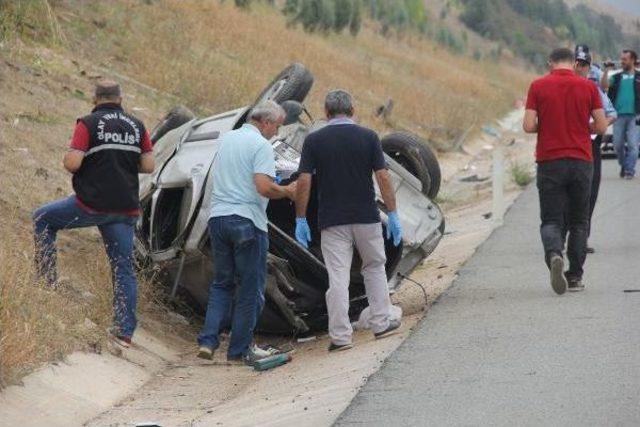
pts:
pixel 267 111
pixel 339 102
pixel 107 89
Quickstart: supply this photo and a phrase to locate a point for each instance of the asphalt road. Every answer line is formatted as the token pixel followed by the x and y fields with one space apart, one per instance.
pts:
pixel 500 348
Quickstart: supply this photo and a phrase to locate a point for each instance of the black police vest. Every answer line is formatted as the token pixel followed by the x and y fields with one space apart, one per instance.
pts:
pixel 615 86
pixel 108 177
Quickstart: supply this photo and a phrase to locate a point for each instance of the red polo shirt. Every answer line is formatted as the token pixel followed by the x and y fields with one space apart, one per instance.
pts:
pixel 564 102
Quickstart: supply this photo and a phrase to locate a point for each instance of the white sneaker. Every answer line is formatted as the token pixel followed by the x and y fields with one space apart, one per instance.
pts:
pixel 205 353
pixel 265 351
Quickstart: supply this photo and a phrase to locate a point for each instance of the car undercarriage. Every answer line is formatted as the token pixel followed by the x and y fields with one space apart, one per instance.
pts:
pixel 172 237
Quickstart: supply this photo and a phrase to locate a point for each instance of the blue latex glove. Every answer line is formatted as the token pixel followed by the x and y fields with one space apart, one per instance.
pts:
pixel 394 229
pixel 303 232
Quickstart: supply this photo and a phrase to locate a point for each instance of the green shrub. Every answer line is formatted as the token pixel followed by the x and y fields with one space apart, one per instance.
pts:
pixel 521 174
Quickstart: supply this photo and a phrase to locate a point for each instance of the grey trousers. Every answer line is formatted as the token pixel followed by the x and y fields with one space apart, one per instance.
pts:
pixel 337 249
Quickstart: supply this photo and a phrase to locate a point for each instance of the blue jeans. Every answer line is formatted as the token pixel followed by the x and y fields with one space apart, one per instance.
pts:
pixel 240 256
pixel 117 235
pixel 626 134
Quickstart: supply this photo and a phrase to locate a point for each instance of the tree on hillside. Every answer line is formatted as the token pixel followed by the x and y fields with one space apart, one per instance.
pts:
pixel 356 18
pixel 325 15
pixel 343 14
pixel 291 7
pixel 530 27
pixel 482 16
pixel 337 15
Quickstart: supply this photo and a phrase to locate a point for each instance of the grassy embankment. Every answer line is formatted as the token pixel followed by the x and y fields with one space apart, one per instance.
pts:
pixel 208 56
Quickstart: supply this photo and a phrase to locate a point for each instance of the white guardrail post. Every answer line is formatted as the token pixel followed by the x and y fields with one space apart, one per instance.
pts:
pixel 498 186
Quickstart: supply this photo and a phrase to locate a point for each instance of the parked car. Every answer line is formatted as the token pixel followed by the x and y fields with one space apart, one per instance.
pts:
pixel 171 234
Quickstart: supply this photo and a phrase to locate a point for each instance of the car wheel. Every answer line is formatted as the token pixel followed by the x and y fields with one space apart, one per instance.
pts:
pixel 415 155
pixel 292 84
pixel 175 118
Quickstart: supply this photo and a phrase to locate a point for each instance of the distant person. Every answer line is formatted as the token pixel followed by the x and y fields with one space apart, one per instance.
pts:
pixel 343 156
pixel 584 68
pixel 243 182
pixel 624 92
pixel 108 149
pixel 559 108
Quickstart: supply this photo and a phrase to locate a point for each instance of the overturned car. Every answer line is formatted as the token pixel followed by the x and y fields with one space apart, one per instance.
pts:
pixel 172 236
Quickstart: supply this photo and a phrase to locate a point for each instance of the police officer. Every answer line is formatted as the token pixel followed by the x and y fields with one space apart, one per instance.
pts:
pixel 108 149
pixel 584 67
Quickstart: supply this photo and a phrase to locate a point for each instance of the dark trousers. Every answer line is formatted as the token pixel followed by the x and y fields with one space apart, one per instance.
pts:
pixel 240 255
pixel 564 188
pixel 597 174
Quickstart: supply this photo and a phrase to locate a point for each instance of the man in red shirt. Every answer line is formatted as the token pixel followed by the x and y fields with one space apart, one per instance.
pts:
pixel 108 150
pixel 559 108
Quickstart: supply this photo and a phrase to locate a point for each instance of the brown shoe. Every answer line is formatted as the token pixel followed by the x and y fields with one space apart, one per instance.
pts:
pixel 205 353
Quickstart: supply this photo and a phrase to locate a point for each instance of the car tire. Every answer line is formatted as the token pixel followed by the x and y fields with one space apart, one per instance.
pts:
pixel 175 118
pixel 292 84
pixel 415 155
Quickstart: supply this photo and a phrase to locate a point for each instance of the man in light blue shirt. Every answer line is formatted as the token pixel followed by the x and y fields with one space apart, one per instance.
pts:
pixel 243 182
pixel 234 193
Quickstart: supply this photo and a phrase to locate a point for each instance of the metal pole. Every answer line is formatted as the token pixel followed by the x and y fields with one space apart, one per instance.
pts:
pixel 176 283
pixel 498 185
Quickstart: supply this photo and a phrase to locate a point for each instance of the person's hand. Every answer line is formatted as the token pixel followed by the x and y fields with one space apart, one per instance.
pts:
pixel 291 190
pixel 394 229
pixel 303 232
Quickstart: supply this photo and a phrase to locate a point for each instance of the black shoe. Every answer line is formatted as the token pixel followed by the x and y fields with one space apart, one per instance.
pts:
pixel 339 347
pixel 391 329
pixel 622 174
pixel 575 285
pixel 237 360
pixel 590 250
pixel 556 269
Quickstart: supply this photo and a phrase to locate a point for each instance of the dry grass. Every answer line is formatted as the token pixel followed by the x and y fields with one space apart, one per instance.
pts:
pixel 40 325
pixel 212 57
pixel 218 57
pixel 38 107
